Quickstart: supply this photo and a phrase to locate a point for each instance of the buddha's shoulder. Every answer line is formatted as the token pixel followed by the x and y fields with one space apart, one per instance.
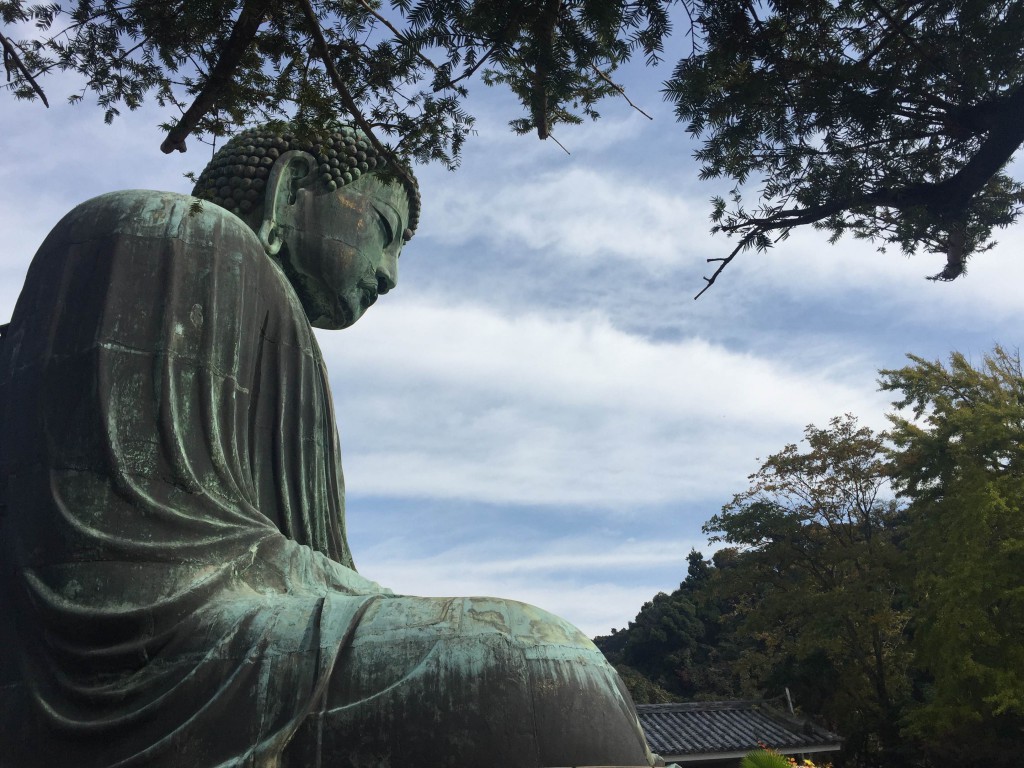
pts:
pixel 153 214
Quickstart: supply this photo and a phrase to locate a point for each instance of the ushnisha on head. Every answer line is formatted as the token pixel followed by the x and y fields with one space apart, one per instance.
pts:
pixel 325 207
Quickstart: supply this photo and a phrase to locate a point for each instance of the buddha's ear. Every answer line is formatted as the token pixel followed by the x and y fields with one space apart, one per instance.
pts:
pixel 292 171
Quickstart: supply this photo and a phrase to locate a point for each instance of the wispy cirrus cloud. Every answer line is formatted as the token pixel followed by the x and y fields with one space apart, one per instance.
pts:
pixel 463 402
pixel 574 212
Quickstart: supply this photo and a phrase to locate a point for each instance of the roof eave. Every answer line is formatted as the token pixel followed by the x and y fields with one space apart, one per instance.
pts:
pixel 741 753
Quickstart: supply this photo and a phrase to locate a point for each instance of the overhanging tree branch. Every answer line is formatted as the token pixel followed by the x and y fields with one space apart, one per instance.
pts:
pixel 13 61
pixel 347 100
pixel 749 239
pixel 619 88
pixel 1004 138
pixel 469 72
pixel 545 34
pixel 242 35
pixel 398 35
pixel 947 199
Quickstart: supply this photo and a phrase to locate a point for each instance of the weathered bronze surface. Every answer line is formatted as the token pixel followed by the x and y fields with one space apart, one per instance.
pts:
pixel 176 586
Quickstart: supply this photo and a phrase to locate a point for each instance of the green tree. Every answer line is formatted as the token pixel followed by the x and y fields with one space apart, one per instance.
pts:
pixel 681 645
pixel 660 640
pixel 959 459
pixel 817 532
pixel 663 635
pixel 713 672
pixel 892 120
pixel 398 70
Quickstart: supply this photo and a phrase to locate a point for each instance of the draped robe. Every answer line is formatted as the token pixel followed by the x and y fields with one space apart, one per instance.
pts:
pixel 173 537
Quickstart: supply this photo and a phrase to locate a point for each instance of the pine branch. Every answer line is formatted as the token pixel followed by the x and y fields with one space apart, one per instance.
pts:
pixel 948 198
pixel 347 100
pixel 242 35
pixel 469 72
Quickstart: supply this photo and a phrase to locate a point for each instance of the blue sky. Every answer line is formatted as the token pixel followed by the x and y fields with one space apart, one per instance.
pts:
pixel 540 410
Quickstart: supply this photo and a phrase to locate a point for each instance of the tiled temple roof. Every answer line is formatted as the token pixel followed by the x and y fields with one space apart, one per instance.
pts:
pixel 725 728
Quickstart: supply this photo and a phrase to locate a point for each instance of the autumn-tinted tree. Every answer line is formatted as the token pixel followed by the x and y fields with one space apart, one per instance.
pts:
pixel 959 460
pixel 897 622
pixel 816 530
pixel 891 120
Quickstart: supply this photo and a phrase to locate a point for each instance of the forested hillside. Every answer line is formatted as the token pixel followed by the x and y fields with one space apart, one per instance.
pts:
pixel 879 577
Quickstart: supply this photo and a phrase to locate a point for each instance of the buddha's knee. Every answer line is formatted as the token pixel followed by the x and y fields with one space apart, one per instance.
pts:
pixel 452 681
pixel 582 712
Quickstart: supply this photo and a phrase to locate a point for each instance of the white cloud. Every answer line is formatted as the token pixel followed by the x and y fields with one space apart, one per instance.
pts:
pixel 463 403
pixel 576 212
pixel 806 265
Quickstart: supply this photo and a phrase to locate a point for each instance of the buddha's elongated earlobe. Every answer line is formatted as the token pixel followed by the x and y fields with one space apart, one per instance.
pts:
pixel 268 237
pixel 292 171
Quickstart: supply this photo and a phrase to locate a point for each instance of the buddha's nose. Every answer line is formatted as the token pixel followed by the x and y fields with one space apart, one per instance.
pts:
pixel 385 282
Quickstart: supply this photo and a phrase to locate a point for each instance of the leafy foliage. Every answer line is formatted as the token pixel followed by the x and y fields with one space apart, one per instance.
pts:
pixel 818 532
pixel 225 64
pixel 959 458
pixel 680 645
pixel 898 621
pixel 891 120
pixel 887 119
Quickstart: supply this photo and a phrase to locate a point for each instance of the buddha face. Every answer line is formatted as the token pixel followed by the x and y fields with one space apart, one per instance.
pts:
pixel 340 249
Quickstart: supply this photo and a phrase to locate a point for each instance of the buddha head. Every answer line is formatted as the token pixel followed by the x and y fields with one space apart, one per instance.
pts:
pixel 325 207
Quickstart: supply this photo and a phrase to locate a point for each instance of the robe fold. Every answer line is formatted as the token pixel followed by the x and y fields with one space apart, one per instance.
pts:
pixel 171 499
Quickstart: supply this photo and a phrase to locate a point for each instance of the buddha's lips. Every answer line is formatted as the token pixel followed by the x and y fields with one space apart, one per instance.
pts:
pixel 368 293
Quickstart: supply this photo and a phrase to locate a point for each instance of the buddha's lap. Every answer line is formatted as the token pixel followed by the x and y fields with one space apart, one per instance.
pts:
pixel 463 681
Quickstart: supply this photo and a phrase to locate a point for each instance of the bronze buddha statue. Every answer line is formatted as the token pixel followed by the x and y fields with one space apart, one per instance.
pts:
pixel 176 583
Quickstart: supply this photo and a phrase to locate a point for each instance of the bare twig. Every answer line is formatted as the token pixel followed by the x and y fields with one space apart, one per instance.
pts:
pixel 13 61
pixel 559 144
pixel 725 262
pixel 742 246
pixel 620 89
